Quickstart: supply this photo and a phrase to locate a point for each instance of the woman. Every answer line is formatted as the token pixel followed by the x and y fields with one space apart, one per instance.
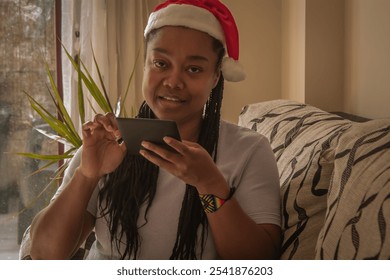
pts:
pixel 217 196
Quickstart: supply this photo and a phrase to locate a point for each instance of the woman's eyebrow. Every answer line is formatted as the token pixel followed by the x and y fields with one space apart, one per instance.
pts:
pixel 198 57
pixel 160 50
pixel 190 57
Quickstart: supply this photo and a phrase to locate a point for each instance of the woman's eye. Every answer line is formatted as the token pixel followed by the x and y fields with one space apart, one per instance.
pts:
pixel 159 64
pixel 194 69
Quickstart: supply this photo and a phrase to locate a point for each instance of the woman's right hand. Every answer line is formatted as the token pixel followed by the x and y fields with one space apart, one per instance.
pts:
pixel 102 153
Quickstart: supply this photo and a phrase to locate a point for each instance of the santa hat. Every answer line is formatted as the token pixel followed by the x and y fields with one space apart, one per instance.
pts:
pixel 209 16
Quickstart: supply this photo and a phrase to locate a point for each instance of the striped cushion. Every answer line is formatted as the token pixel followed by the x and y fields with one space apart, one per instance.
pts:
pixel 358 218
pixel 303 139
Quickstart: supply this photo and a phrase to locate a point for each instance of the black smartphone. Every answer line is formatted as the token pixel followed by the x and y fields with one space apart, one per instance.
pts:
pixel 136 130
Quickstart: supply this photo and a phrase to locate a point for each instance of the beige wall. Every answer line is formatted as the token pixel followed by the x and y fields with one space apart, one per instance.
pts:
pixel 333 54
pixel 293 50
pixel 324 71
pixel 259 23
pixel 367 78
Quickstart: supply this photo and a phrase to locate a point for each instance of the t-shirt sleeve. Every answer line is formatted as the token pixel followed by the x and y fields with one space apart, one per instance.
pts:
pixel 257 183
pixel 68 174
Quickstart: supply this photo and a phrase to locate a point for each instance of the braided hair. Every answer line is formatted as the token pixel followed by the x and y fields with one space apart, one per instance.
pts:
pixel 134 183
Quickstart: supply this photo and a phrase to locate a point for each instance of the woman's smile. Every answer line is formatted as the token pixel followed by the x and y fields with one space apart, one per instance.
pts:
pixel 171 99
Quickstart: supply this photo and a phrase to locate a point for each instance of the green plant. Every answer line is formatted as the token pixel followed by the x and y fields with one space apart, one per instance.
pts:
pixel 62 124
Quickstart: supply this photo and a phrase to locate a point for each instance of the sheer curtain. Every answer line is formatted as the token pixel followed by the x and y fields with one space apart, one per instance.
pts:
pixel 114 30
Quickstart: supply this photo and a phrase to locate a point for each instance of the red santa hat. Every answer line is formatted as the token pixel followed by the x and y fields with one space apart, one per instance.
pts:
pixel 209 16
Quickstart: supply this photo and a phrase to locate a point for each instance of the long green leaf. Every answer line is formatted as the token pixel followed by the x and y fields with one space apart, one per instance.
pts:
pixel 53 159
pixel 95 91
pixel 68 123
pixel 43 168
pixel 54 137
pixel 59 101
pixel 101 80
pixel 80 93
pixel 54 123
pixel 90 84
pixel 46 157
pixel 91 106
pixel 129 82
pixel 57 126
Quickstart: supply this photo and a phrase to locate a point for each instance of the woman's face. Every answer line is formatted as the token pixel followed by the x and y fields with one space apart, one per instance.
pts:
pixel 180 72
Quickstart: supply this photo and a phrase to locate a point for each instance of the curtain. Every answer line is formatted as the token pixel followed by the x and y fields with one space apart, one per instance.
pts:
pixel 113 29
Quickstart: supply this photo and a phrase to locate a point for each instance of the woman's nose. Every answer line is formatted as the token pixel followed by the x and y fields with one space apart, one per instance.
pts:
pixel 174 79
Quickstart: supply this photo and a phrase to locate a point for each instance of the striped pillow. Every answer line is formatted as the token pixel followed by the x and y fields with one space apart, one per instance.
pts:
pixel 358 217
pixel 303 139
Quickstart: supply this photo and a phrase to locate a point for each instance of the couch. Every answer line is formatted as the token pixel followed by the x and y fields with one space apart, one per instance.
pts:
pixel 335 180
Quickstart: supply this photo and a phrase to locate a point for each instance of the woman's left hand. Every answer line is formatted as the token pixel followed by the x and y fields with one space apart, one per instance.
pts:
pixel 190 163
pixel 235 234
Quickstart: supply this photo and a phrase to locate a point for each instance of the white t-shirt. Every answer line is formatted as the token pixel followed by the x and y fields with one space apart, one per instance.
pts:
pixel 247 162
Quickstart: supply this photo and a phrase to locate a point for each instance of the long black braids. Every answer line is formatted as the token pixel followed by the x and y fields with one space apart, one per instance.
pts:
pixel 134 183
pixel 131 185
pixel 192 214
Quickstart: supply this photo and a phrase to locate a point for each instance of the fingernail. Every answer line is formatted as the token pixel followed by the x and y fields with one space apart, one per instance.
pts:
pixel 144 144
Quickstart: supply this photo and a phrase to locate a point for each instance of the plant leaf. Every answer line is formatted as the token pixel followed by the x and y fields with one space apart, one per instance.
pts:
pixel 95 91
pixel 121 106
pixel 61 106
pixel 89 83
pixel 101 80
pixel 46 157
pixel 52 136
pixel 80 93
pixel 56 124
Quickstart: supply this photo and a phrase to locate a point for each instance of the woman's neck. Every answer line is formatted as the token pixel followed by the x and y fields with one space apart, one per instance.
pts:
pixel 190 131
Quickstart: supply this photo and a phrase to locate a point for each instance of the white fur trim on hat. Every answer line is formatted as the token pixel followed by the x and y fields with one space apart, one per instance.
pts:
pixel 188 16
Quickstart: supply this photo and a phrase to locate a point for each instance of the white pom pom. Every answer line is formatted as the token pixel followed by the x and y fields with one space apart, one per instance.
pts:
pixel 232 70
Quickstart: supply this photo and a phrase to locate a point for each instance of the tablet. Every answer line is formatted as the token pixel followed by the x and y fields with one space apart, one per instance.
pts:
pixel 136 130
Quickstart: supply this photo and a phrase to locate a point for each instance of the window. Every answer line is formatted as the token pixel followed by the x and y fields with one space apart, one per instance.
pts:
pixel 27 40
